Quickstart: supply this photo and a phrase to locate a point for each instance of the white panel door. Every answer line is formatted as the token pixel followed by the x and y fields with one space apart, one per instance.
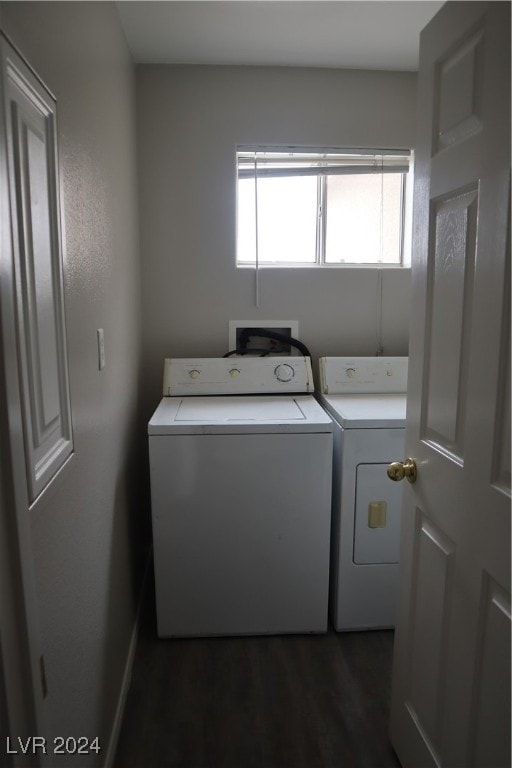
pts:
pixel 451 678
pixel 35 223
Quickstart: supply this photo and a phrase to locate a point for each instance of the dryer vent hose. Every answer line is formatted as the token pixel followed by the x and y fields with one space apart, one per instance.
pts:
pixel 264 333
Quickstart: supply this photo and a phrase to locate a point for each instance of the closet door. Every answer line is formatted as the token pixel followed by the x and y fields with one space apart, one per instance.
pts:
pixel 30 116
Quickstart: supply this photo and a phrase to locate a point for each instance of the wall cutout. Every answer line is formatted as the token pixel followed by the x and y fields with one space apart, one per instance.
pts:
pixel 286 327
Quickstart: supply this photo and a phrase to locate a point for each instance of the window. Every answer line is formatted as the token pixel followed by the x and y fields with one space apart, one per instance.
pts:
pixel 323 207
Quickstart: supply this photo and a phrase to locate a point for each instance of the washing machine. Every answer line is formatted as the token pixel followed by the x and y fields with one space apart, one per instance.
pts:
pixel 240 463
pixel 366 398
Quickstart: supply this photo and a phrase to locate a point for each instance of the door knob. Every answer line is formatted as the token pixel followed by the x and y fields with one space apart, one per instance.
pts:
pixel 398 470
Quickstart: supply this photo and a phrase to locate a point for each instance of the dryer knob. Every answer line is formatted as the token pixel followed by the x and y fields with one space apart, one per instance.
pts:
pixel 284 372
pixel 351 373
pixel 194 373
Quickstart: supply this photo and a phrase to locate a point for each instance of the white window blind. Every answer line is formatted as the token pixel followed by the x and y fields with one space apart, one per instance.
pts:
pixel 296 162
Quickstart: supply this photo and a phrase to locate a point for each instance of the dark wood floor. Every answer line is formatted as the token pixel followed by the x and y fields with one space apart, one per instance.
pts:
pixel 308 701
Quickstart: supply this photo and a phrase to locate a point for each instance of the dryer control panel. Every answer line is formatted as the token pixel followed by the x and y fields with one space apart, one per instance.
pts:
pixel 364 375
pixel 237 375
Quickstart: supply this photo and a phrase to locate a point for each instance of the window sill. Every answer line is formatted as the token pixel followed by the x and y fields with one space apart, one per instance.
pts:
pixel 324 266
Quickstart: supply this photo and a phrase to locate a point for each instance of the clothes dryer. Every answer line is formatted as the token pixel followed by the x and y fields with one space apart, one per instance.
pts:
pixel 240 463
pixel 366 398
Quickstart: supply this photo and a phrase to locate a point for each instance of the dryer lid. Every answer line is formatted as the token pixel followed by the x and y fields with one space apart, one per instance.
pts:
pixel 367 411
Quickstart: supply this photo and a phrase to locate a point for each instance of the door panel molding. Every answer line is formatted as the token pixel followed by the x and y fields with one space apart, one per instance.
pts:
pixel 448 321
pixel 501 460
pixel 35 217
pixel 459 89
pixel 490 735
pixel 431 595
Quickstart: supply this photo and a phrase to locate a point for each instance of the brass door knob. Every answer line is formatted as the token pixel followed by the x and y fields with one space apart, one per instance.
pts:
pixel 398 470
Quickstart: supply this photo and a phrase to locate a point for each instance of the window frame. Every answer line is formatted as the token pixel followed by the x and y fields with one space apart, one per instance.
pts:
pixel 322 207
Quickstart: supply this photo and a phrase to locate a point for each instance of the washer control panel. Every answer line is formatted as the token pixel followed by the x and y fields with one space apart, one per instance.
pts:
pixel 366 375
pixel 237 375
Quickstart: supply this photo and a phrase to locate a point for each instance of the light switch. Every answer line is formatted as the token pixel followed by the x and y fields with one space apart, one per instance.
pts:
pixel 377 513
pixel 101 349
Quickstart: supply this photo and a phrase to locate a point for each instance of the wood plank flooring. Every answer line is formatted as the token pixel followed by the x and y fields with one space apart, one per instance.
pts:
pixel 294 701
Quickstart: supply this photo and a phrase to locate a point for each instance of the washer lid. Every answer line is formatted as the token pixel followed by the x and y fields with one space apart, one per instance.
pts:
pixel 238 409
pixel 367 411
pixel 238 414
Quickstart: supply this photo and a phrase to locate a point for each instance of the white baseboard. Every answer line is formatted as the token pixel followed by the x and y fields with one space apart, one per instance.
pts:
pixel 127 676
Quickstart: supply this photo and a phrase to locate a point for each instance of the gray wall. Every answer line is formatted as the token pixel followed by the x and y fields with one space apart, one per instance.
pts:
pixel 190 120
pixel 84 525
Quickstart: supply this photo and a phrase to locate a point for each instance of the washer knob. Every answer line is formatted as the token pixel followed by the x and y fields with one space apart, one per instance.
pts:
pixel 351 373
pixel 234 372
pixel 194 373
pixel 284 372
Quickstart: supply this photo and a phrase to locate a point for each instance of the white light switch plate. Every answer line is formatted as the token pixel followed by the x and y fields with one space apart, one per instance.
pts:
pixel 101 349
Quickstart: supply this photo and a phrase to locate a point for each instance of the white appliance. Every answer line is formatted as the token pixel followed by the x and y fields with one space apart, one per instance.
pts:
pixel 366 398
pixel 241 498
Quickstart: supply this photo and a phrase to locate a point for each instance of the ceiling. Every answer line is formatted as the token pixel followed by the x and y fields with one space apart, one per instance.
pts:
pixel 366 34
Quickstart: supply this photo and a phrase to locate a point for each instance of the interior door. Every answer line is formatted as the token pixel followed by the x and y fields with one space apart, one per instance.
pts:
pixel 35 416
pixel 451 677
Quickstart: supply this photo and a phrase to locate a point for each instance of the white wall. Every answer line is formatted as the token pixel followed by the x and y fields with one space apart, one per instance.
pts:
pixel 190 120
pixel 84 527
